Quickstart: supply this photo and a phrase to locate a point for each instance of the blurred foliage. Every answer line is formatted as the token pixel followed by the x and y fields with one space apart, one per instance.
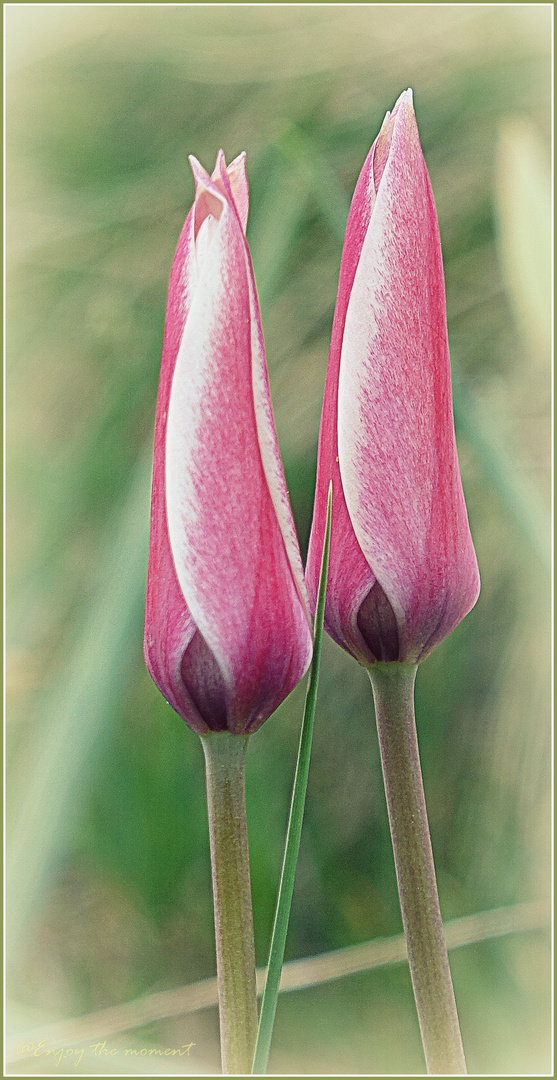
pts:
pixel 106 795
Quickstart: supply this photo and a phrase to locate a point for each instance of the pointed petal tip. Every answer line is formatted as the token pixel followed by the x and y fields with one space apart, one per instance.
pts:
pixel 239 162
pixel 210 197
pixel 196 166
pixel 200 175
pixel 204 182
pixel 220 165
pixel 238 180
pixel 404 117
pixel 406 98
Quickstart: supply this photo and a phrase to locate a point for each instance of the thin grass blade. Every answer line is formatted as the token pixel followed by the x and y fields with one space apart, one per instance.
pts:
pixel 294 830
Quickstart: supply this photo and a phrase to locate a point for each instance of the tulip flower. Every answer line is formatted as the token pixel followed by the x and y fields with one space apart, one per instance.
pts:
pixel 227 632
pixel 227 627
pixel 402 569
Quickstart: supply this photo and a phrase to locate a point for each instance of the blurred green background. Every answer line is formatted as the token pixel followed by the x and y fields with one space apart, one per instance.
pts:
pixel 109 892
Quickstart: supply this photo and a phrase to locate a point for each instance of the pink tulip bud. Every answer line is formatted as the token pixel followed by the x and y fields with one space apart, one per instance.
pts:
pixel 227 632
pixel 403 571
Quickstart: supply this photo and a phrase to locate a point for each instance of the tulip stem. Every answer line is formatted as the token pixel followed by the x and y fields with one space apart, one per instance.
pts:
pixel 393 692
pixel 225 774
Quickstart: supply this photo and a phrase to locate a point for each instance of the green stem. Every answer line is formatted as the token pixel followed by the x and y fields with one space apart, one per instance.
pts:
pixel 393 692
pixel 225 771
